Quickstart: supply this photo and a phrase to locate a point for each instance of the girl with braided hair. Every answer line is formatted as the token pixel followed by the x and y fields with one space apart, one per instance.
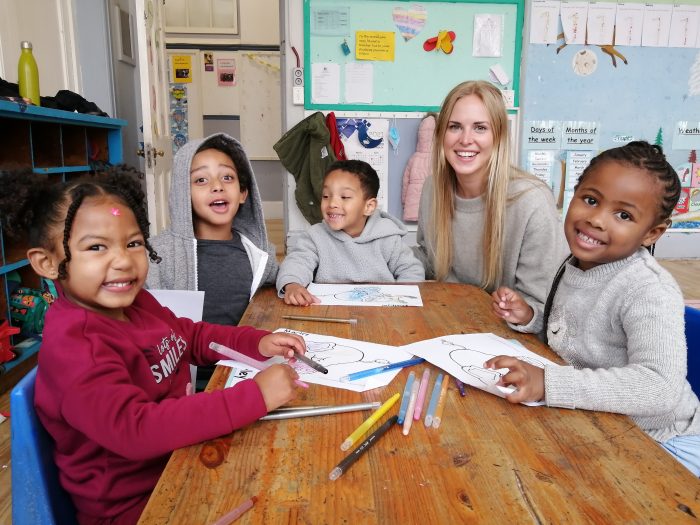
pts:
pixel 112 386
pixel 613 313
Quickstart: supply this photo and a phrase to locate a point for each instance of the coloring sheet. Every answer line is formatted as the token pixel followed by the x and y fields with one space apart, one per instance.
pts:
pixel 463 356
pixel 340 356
pixel 367 294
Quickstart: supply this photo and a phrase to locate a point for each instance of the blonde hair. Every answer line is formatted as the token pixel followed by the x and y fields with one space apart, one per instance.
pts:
pixel 495 195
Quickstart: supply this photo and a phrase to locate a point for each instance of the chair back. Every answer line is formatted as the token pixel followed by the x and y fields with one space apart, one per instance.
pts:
pixel 37 496
pixel 692 338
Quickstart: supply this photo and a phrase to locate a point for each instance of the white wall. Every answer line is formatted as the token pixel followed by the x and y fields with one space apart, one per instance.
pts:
pixel 48 25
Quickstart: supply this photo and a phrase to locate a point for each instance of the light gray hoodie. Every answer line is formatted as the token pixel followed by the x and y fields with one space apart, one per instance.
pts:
pixel 177 245
pixel 377 255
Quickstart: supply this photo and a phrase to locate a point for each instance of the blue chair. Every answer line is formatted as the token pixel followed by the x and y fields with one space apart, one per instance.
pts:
pixel 37 496
pixel 692 337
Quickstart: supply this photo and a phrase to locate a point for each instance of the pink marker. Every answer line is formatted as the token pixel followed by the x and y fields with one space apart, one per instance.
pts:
pixel 242 358
pixel 421 394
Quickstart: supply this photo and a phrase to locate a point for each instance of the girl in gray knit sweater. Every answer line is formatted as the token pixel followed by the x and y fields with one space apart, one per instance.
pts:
pixel 613 313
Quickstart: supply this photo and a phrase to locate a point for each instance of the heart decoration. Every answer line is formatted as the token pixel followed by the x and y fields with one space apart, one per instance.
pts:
pixel 410 21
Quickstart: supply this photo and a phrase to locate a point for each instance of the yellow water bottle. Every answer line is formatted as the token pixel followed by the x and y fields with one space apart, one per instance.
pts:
pixel 28 74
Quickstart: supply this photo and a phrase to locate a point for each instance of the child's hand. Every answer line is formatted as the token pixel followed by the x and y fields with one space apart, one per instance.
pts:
pixel 509 305
pixel 281 344
pixel 527 378
pixel 277 385
pixel 298 295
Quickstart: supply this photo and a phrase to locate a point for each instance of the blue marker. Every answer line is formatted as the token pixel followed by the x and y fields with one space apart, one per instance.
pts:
pixel 433 401
pixel 405 398
pixel 381 369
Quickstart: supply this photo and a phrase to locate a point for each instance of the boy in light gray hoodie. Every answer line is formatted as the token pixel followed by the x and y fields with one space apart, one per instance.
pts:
pixel 216 241
pixel 355 243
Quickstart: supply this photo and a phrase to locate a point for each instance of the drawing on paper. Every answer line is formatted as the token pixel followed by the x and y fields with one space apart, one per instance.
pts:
pixel 371 294
pixel 367 295
pixel 330 354
pixel 466 357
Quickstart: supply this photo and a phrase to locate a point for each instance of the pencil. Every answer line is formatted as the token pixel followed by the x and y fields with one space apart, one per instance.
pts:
pixel 321 319
pixel 371 420
pixel 432 405
pixel 237 512
pixel 437 418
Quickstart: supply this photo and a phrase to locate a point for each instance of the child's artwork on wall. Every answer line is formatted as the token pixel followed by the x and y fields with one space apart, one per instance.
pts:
pixel 463 356
pixel 340 356
pixel 367 294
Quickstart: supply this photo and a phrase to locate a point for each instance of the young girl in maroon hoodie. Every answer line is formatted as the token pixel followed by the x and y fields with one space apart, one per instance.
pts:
pixel 114 364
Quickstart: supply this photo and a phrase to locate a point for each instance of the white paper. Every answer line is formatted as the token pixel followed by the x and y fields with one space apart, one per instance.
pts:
pixel 325 82
pixel 488 35
pixel 367 294
pixel 345 356
pixel 574 16
pixel 544 21
pixel 463 356
pixel 377 157
pixel 183 303
pixel 628 24
pixel 601 23
pixel 657 25
pixel 684 26
pixel 359 82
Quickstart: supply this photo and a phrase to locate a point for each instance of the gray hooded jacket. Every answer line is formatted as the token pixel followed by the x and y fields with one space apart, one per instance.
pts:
pixel 177 245
pixel 377 255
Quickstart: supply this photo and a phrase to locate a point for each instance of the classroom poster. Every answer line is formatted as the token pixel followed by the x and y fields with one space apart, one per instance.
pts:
pixel 179 121
pixel 226 71
pixel 375 45
pixel 182 69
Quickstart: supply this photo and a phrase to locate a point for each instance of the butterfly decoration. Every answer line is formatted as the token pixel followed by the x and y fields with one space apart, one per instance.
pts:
pixel 441 42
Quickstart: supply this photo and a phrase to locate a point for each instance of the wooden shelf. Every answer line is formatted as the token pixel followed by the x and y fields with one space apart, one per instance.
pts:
pixel 49 143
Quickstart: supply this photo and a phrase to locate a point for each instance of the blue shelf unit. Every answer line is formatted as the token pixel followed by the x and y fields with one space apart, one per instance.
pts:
pixel 49 143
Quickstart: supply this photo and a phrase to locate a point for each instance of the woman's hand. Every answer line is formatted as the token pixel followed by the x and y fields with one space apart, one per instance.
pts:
pixel 297 295
pixel 509 305
pixel 282 344
pixel 526 378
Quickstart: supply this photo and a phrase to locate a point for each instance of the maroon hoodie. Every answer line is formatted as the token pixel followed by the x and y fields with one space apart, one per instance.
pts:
pixel 112 395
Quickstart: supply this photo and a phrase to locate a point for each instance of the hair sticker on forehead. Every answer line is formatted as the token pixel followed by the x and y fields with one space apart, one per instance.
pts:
pixel 116 212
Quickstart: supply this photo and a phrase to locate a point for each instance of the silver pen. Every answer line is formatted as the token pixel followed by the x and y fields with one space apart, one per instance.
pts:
pixel 319 411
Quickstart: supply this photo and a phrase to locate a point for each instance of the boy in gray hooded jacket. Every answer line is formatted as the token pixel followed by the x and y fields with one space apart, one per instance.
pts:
pixel 217 240
pixel 355 243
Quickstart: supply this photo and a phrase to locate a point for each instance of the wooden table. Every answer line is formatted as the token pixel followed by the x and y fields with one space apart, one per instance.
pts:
pixel 490 461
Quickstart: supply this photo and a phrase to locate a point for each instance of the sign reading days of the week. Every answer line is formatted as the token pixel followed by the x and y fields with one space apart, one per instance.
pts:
pixel 542 134
pixel 580 135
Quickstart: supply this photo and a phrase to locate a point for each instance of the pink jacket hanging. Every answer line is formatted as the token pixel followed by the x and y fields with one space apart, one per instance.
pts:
pixel 417 169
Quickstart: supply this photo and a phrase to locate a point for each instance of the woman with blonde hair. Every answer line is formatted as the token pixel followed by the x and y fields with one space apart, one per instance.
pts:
pixel 482 221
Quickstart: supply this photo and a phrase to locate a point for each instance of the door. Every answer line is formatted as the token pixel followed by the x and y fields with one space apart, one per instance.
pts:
pixel 157 149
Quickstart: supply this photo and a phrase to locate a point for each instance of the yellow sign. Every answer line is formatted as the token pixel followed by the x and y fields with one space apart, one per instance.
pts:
pixel 182 69
pixel 375 45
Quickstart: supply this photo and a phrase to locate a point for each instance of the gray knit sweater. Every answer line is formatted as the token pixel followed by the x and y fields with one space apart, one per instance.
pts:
pixel 533 247
pixel 378 254
pixel 620 327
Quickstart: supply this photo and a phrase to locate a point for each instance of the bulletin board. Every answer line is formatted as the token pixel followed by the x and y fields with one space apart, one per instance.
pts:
pixel 415 79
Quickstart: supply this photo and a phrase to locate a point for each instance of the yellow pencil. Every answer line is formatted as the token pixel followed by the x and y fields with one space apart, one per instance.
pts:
pixel 437 418
pixel 371 420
